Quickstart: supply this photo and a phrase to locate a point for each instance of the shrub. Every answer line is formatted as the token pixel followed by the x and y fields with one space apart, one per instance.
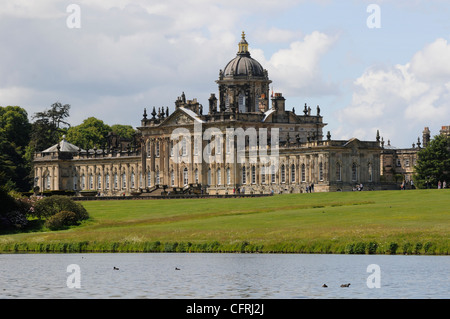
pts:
pixel 417 248
pixel 49 206
pixel 62 220
pixel 392 248
pixel 429 248
pixel 360 248
pixel 407 248
pixel 13 211
pixel 372 247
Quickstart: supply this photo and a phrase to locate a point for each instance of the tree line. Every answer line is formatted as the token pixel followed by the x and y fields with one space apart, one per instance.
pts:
pixel 20 138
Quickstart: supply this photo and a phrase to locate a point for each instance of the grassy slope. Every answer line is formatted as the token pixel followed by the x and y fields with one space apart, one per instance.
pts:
pixel 346 222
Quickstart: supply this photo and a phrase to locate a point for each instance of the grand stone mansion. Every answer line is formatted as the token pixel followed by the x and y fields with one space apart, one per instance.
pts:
pixel 244 141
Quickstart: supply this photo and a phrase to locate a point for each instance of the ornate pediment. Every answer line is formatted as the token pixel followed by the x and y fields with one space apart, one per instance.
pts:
pixel 178 118
pixel 182 116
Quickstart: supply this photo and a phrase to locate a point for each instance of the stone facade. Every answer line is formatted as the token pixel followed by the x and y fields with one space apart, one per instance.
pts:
pixel 397 164
pixel 239 144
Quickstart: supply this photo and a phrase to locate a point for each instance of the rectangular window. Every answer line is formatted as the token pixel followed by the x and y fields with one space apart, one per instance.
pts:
pixel 273 174
pixel 253 175
pixel 184 147
pixel 263 175
pixel 149 153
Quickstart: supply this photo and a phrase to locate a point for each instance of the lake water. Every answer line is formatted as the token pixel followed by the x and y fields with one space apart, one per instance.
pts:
pixel 225 276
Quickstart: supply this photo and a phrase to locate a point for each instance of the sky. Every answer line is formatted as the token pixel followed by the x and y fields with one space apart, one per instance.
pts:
pixel 369 65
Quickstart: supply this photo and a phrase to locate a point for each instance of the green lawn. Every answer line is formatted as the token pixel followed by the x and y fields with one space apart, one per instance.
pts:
pixel 413 222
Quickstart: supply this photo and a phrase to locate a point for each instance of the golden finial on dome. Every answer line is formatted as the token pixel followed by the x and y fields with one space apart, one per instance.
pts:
pixel 243 45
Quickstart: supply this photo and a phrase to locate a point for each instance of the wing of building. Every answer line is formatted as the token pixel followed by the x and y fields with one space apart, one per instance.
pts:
pixel 245 140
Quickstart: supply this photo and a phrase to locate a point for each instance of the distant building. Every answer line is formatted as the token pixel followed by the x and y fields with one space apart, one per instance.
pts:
pixel 239 143
pixel 397 164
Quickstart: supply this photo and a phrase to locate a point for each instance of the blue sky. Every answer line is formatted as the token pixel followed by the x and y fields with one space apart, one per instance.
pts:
pixel 128 55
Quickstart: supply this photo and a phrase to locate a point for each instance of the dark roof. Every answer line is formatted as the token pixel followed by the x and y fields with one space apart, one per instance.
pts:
pixel 243 64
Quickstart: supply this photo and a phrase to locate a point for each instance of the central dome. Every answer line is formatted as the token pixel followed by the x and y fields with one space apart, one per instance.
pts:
pixel 243 64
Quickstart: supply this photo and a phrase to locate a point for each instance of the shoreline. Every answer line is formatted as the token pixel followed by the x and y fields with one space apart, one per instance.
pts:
pixel 358 248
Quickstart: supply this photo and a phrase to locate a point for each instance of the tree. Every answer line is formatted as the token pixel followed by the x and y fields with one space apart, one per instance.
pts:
pixel 433 163
pixel 14 138
pixel 89 134
pixel 124 131
pixel 49 126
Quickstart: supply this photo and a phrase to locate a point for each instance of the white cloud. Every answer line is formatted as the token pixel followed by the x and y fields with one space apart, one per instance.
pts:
pixel 295 71
pixel 401 97
pixel 127 49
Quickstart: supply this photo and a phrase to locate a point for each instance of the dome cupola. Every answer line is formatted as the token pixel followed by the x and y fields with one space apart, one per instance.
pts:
pixel 243 64
pixel 243 83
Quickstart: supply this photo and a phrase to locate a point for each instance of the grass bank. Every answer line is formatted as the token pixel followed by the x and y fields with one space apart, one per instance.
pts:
pixel 382 222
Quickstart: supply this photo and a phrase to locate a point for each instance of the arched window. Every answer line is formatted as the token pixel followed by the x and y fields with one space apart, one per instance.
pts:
pixel 283 174
pixel 157 177
pixel 124 180
pixel 185 176
pixel 107 181
pixel 75 182
pixel 196 175
pixel 303 173
pixel 116 181
pixel 149 179
pixel 354 172
pixel 83 182
pixel 293 173
pixel 132 182
pixel 47 181
pixel 219 177
pixel 338 172
pixel 149 153
pixel 320 171
pixel 99 181
pixel 91 181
